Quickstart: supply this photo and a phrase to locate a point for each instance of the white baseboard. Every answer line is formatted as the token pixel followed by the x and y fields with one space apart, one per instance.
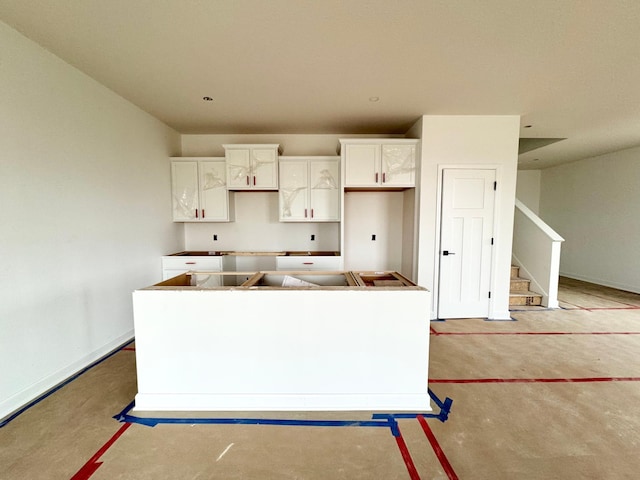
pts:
pixel 500 315
pixel 282 402
pixel 14 403
pixel 604 283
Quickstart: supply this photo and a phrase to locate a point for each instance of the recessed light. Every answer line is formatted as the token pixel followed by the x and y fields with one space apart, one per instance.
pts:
pixel 374 99
pixel 207 99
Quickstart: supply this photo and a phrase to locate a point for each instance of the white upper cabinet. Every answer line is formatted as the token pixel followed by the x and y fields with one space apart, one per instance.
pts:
pixel 379 163
pixel 199 191
pixel 252 167
pixel 309 189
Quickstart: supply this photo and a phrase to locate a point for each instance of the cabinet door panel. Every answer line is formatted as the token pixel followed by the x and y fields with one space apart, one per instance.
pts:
pixel 265 168
pixel 184 189
pixel 238 168
pixel 213 191
pixel 294 191
pixel 362 166
pixel 398 165
pixel 324 191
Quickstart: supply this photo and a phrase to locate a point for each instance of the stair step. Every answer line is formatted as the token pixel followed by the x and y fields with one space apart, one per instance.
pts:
pixel 525 298
pixel 515 271
pixel 520 284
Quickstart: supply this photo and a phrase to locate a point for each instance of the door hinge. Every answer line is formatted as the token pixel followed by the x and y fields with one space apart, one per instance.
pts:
pixel 495 185
pixel 489 294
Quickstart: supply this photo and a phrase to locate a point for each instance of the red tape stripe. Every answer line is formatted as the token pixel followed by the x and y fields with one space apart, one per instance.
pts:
pixel 436 333
pixel 536 380
pixel 406 456
pixel 444 461
pixel 92 465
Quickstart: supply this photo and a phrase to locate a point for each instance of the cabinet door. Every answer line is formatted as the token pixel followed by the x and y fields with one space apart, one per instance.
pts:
pixel 398 165
pixel 324 191
pixel 264 175
pixel 184 191
pixel 214 204
pixel 362 166
pixel 294 191
pixel 238 168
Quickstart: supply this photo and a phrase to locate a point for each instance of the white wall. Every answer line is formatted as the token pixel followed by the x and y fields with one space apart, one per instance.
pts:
pixel 256 228
pixel 528 189
pixel 473 141
pixel 85 215
pixel 594 204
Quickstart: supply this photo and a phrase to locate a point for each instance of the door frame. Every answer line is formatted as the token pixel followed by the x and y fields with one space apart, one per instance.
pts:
pixel 496 224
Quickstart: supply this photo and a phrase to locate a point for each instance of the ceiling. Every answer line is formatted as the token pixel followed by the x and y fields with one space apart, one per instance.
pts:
pixel 570 68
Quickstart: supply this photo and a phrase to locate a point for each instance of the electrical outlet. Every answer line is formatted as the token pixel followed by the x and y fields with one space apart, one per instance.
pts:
pixel 215 238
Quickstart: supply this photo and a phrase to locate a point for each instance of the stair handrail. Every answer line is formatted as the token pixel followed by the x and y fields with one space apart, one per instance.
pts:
pixel 536 250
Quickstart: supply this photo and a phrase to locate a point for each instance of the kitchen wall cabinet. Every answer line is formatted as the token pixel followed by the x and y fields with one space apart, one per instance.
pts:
pixel 309 189
pixel 199 191
pixel 252 167
pixel 379 163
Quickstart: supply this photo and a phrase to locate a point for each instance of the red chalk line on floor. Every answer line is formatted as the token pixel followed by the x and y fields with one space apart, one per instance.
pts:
pixel 536 380
pixel 406 456
pixel 437 333
pixel 444 461
pixel 93 464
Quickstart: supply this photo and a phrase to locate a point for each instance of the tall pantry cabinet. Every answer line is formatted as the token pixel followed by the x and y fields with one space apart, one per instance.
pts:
pixel 379 204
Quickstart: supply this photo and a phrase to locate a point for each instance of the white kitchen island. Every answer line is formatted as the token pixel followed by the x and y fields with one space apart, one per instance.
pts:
pixel 261 346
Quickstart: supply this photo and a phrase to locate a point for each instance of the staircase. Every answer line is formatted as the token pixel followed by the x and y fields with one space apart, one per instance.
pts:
pixel 519 293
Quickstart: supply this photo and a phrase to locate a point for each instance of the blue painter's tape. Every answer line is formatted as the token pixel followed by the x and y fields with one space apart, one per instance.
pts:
pixel 60 385
pixel 124 412
pixel 386 420
pixel 153 421
pixel 395 430
pixel 442 415
pixel 445 406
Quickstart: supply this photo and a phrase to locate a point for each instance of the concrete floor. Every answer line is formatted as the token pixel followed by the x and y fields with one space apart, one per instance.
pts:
pixel 551 395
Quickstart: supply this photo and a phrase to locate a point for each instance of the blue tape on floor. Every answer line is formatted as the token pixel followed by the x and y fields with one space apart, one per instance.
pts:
pixel 385 420
pixel 153 421
pixel 442 415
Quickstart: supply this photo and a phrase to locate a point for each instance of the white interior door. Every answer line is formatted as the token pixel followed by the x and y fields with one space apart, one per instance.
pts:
pixel 466 232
